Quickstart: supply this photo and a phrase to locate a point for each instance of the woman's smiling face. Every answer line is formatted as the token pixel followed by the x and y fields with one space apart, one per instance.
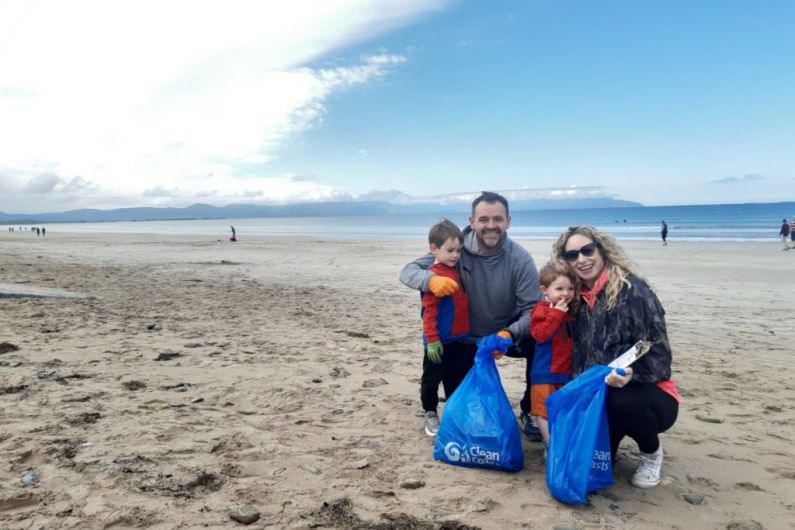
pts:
pixel 588 268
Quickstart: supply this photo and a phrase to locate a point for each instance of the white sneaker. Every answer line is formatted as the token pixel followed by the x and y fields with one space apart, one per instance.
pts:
pixel 648 473
pixel 431 423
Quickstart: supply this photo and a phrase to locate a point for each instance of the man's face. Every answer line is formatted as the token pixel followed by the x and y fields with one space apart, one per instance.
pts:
pixel 490 223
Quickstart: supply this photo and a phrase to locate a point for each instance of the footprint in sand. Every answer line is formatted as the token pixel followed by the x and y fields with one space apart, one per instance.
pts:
pixel 703 482
pixel 733 458
pixel 748 486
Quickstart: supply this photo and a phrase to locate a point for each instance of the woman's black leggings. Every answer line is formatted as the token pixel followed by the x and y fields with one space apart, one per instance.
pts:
pixel 640 411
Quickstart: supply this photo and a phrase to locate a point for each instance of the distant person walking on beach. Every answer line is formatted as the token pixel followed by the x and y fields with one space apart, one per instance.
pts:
pixel 234 234
pixel 664 231
pixel 43 231
pixel 792 231
pixel 785 232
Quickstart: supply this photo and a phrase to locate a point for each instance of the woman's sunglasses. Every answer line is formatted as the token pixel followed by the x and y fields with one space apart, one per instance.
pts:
pixel 587 250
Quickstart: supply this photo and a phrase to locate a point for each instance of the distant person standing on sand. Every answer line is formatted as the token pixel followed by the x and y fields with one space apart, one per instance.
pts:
pixel 43 231
pixel 784 232
pixel 792 230
pixel 664 232
pixel 234 234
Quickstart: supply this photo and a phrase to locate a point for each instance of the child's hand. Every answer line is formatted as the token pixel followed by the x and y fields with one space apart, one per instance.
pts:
pixel 442 286
pixel 562 305
pixel 434 351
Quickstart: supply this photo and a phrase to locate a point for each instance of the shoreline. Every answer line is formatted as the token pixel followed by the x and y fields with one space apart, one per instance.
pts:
pixel 296 383
pixel 721 222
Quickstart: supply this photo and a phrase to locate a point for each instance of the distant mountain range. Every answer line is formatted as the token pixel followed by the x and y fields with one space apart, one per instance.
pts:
pixel 310 209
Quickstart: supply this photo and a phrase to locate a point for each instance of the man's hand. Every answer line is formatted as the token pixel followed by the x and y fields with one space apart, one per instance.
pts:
pixel 434 351
pixel 442 286
pixel 505 334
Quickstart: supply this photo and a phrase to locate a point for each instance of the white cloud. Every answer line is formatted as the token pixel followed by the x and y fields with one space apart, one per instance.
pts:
pixel 160 191
pixel 523 194
pixel 302 178
pixel 135 95
pixel 383 59
pixel 49 192
pixel 752 177
pixel 77 184
pixel 43 183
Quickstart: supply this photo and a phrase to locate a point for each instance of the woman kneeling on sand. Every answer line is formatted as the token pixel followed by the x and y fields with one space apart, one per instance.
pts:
pixel 618 309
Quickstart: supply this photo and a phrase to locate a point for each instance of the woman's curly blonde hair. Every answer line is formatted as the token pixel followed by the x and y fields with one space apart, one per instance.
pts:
pixel 613 255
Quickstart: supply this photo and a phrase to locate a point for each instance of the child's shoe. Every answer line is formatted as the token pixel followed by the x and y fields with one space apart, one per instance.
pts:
pixel 529 427
pixel 431 423
pixel 648 473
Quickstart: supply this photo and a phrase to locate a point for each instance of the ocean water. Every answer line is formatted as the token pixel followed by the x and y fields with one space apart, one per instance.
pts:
pixel 721 222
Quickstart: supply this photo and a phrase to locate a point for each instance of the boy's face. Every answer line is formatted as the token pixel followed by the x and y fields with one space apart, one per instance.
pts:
pixel 448 253
pixel 560 289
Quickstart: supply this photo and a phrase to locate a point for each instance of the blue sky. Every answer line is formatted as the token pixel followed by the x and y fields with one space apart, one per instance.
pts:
pixel 131 104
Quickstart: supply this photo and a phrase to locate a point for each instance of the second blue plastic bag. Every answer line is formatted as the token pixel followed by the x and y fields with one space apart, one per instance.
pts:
pixel 578 458
pixel 478 428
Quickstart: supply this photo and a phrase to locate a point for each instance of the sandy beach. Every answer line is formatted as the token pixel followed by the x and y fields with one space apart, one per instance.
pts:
pixel 186 377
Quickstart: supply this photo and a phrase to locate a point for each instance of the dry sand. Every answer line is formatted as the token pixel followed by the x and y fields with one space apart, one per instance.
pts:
pixel 195 376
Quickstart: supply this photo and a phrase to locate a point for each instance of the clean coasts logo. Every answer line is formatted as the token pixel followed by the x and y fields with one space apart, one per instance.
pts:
pixel 471 454
pixel 600 460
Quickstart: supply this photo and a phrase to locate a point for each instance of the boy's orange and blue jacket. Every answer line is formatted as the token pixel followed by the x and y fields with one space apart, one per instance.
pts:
pixel 445 319
pixel 550 328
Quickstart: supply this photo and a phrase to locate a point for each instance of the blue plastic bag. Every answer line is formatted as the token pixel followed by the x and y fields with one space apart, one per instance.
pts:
pixel 578 458
pixel 478 428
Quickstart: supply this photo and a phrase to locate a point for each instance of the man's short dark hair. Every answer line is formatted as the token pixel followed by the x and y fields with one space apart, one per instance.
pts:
pixel 490 197
pixel 444 230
